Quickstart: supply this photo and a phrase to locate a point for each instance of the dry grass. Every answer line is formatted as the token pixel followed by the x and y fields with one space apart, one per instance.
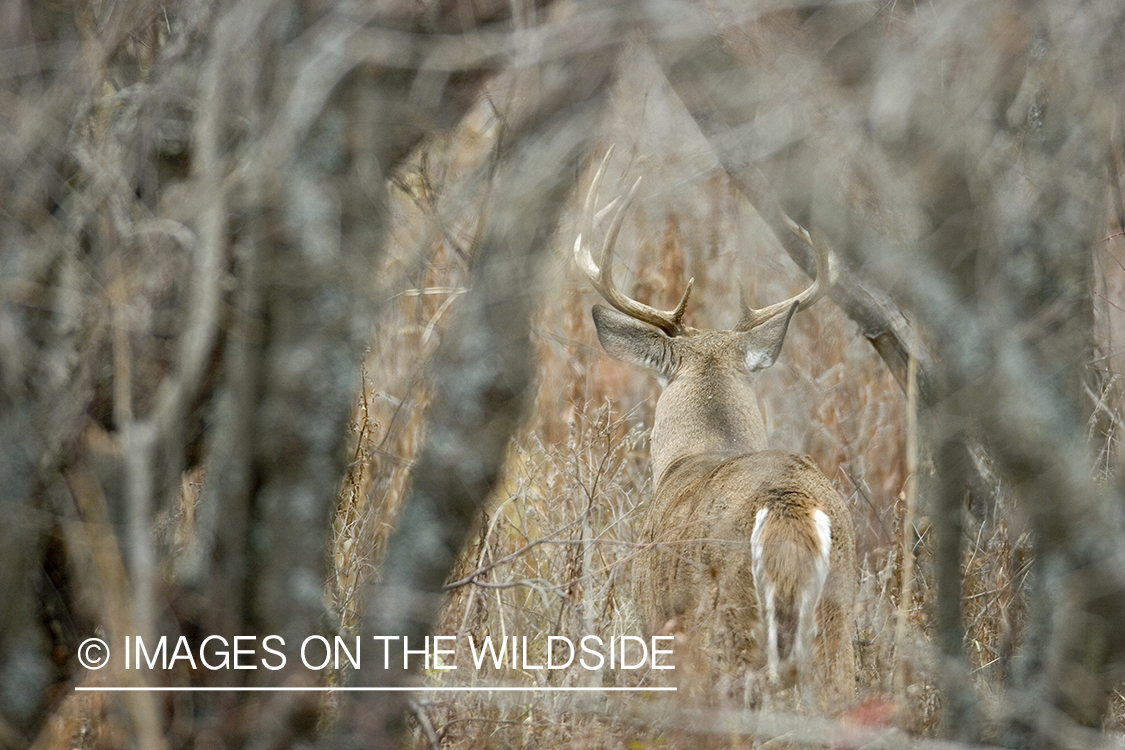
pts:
pixel 553 549
pixel 552 554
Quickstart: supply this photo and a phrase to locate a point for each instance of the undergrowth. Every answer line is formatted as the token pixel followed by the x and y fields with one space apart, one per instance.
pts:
pixel 551 554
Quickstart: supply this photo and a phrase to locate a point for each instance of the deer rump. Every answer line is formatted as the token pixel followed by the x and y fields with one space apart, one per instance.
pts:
pixel 741 558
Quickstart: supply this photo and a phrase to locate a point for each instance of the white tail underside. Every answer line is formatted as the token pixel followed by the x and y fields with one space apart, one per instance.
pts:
pixel 810 589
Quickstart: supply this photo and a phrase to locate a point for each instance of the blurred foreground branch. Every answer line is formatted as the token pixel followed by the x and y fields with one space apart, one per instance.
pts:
pixel 484 370
pixel 974 197
pixel 194 198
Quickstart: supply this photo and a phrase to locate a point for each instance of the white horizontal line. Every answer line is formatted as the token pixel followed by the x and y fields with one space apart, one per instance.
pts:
pixel 503 689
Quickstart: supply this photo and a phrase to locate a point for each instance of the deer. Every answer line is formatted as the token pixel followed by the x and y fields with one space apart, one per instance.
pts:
pixel 748 553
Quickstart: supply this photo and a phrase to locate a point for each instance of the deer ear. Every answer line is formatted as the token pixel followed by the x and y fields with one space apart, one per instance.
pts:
pixel 632 341
pixel 762 344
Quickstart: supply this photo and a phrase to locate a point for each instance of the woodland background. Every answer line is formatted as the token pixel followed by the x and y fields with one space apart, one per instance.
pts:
pixel 291 342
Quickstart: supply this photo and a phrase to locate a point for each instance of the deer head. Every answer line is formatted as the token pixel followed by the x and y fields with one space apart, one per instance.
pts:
pixel 709 403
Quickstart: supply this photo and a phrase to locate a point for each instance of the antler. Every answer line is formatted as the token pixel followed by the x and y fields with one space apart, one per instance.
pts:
pixel 752 317
pixel 601 272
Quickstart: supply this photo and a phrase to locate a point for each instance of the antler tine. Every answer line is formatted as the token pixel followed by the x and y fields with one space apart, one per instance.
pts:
pixel 820 285
pixel 600 272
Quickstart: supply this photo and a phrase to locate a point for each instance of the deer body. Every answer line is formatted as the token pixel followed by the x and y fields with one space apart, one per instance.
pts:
pixel 750 552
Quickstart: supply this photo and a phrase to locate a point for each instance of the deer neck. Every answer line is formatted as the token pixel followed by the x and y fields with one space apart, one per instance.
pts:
pixel 705 414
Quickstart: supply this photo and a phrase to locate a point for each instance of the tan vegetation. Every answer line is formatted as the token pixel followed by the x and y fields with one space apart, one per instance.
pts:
pixel 271 279
pixel 555 550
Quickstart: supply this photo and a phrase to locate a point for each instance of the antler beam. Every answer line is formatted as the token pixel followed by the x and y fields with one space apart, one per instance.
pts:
pixel 753 317
pixel 600 272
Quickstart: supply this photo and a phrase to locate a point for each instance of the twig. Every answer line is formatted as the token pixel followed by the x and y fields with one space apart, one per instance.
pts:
pixel 425 725
pixel 906 597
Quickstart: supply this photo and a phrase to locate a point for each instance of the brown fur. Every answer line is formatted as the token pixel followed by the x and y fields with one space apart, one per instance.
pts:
pixel 698 571
pixel 792 549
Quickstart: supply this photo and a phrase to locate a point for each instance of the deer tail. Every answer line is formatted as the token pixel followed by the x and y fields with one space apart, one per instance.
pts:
pixel 790 548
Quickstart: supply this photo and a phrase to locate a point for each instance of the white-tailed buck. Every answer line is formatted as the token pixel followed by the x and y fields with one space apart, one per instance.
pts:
pixel 750 552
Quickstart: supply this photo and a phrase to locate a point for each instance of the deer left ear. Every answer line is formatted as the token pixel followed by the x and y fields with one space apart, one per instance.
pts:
pixel 762 344
pixel 634 342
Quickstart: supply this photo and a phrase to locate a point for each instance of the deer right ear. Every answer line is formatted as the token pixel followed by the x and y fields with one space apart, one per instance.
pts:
pixel 632 341
pixel 762 345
